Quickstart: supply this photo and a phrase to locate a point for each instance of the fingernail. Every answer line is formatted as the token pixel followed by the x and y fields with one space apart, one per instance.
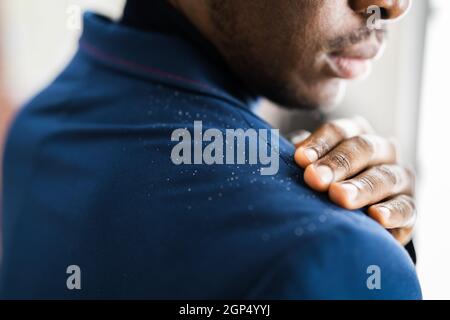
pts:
pixel 385 212
pixel 300 137
pixel 311 154
pixel 325 174
pixel 350 190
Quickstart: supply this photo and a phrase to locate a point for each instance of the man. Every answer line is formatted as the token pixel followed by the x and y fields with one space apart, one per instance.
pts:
pixel 122 181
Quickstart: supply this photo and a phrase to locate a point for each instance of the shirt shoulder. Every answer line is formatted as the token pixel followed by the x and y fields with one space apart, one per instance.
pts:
pixel 351 260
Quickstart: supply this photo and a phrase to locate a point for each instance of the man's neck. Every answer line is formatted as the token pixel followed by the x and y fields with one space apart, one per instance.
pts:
pixel 162 17
pixel 155 15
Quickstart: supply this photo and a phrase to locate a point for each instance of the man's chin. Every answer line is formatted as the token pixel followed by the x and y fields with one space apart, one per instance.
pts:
pixel 324 100
pixel 333 101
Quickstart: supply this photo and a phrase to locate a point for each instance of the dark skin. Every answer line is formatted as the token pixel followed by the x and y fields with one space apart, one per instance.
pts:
pixel 301 54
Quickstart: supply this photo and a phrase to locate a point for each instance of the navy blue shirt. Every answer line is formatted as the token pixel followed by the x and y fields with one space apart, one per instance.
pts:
pixel 89 181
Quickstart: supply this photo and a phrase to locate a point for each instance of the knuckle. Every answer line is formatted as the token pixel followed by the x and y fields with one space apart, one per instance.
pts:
pixel 400 206
pixel 369 182
pixel 388 174
pixel 408 202
pixel 363 144
pixel 405 207
pixel 341 159
pixel 321 147
pixel 350 155
pixel 334 128
pixel 384 179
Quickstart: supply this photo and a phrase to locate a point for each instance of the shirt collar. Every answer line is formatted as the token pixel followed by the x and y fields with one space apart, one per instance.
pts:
pixel 166 58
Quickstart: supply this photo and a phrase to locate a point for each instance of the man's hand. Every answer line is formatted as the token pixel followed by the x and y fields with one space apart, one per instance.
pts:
pixel 358 168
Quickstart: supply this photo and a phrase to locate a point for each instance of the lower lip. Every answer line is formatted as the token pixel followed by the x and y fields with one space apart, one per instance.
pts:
pixel 348 68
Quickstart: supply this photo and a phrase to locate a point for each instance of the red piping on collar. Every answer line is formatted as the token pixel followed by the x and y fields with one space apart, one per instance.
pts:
pixel 141 68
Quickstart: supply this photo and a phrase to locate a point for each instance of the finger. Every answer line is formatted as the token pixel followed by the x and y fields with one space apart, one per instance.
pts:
pixel 298 137
pixel 402 235
pixel 372 186
pixel 349 158
pixel 327 137
pixel 398 212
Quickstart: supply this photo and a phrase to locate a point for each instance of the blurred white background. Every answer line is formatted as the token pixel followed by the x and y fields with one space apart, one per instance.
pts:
pixel 399 99
pixel 433 154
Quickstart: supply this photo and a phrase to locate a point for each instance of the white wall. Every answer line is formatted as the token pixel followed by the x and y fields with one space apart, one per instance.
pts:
pixel 38 40
pixel 434 154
